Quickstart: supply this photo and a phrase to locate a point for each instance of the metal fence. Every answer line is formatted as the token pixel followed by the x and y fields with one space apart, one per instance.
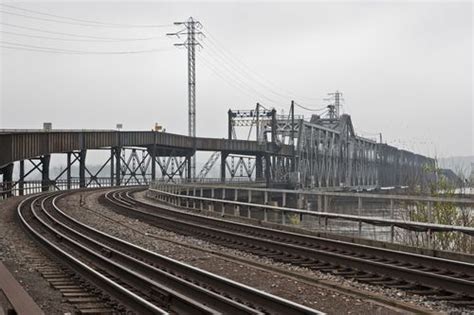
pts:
pixel 287 207
pixel 12 189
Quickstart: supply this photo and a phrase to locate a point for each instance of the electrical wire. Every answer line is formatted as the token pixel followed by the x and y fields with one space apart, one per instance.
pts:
pixel 70 23
pixel 238 76
pixel 12 45
pixel 236 68
pixel 232 81
pixel 79 21
pixel 77 35
pixel 324 113
pixel 262 81
pixel 243 83
pixel 310 109
pixel 75 39
pixel 233 71
pixel 225 79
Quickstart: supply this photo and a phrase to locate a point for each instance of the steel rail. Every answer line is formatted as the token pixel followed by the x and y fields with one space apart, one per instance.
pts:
pixel 177 291
pixel 359 258
pixel 158 293
pixel 314 241
pixel 215 293
pixel 248 295
pixel 118 291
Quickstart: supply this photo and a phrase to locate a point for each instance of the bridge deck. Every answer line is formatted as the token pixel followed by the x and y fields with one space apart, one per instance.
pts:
pixel 18 145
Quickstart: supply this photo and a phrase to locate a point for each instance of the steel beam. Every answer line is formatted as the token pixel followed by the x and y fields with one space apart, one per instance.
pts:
pixel 82 168
pixel 21 180
pixel 45 181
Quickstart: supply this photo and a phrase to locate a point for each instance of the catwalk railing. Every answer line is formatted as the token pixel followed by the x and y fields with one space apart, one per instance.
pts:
pixel 315 209
pixel 11 189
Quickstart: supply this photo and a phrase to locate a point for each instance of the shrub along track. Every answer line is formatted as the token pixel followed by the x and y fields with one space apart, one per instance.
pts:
pixel 440 279
pixel 138 279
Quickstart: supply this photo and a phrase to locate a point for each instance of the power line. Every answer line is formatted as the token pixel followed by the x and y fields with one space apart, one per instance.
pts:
pixel 324 113
pixel 76 52
pixel 81 36
pixel 32 49
pixel 229 80
pixel 224 78
pixel 70 23
pixel 243 82
pixel 69 39
pixel 232 83
pixel 310 109
pixel 216 51
pixel 80 21
pixel 262 81
pixel 235 72
pixel 237 69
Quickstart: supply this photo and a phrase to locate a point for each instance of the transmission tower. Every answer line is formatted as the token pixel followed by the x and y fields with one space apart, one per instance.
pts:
pixel 190 30
pixel 335 106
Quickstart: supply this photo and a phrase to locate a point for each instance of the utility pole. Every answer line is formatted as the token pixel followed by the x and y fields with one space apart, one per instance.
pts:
pixel 191 29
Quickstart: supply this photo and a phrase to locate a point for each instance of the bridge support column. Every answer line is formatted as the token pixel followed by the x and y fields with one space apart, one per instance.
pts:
pixel 82 169
pixel 21 180
pixel 189 172
pixel 7 172
pixel 153 161
pixel 68 170
pixel 258 167
pixel 223 164
pixel 117 152
pixel 45 182
pixel 112 167
pixel 267 169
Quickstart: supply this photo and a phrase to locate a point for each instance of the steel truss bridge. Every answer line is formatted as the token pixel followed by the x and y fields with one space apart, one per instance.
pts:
pixel 287 149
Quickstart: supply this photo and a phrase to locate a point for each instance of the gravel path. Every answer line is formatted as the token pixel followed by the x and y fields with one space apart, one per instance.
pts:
pixel 177 247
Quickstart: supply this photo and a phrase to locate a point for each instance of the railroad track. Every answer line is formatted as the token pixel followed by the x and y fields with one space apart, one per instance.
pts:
pixel 137 279
pixel 440 279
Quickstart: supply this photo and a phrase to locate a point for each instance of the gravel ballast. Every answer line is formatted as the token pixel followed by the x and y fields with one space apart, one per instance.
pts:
pixel 21 254
pixel 178 247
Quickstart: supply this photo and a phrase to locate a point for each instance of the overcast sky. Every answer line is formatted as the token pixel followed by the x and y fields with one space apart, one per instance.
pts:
pixel 405 68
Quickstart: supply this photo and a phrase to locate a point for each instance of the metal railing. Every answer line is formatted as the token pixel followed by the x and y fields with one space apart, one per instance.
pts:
pixel 12 189
pixel 209 181
pixel 193 197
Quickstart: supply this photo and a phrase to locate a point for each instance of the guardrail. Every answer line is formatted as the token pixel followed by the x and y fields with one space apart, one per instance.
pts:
pixel 11 189
pixel 16 188
pixel 210 181
pixel 320 200
pixel 194 197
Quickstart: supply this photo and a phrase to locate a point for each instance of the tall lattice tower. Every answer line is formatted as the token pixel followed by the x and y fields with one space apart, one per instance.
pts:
pixel 472 174
pixel 191 30
pixel 335 105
